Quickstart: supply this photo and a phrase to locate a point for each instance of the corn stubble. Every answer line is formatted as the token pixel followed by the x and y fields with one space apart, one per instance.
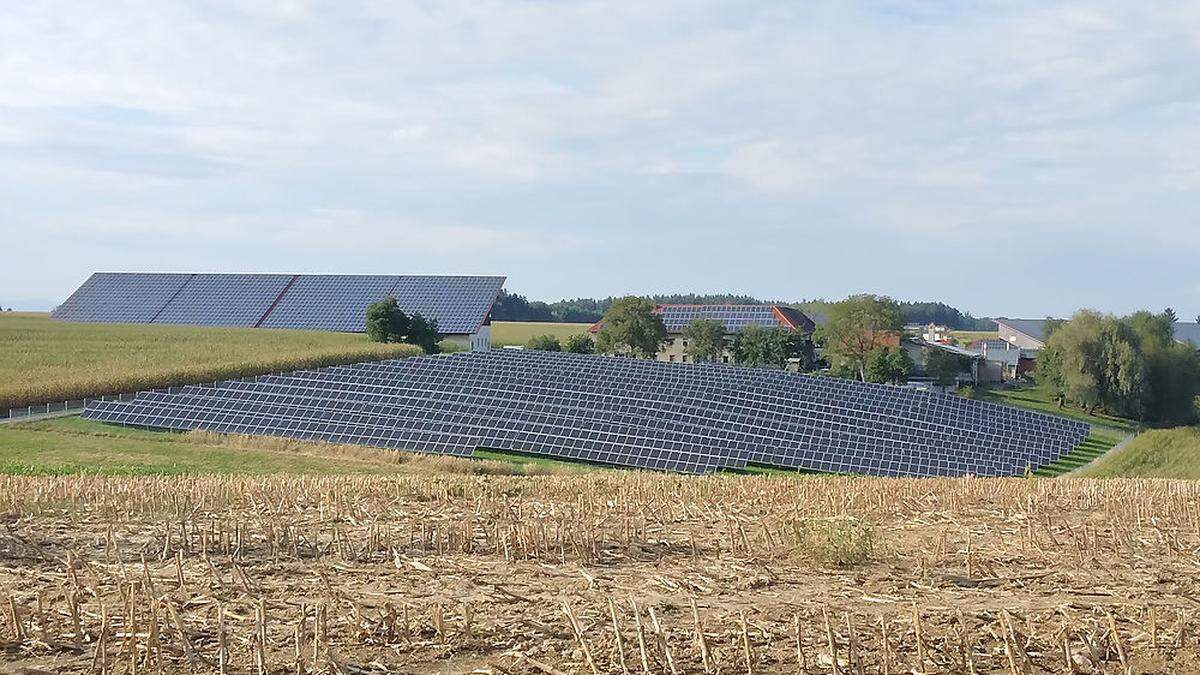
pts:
pixel 598 573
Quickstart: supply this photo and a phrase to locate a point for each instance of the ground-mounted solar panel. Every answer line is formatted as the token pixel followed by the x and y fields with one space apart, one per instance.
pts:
pixel 224 299
pixel 690 418
pixel 121 297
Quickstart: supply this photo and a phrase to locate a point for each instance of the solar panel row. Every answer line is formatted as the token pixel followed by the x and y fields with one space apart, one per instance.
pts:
pixel 459 304
pixel 691 418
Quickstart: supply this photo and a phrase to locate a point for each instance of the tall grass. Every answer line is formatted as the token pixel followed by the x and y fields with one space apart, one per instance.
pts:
pixel 44 361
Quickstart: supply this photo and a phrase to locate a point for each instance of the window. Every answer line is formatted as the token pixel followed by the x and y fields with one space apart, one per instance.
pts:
pixel 671 357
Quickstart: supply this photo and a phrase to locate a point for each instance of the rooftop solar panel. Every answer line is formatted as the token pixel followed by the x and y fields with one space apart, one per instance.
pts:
pixel 224 299
pixel 121 297
pixel 329 302
pixel 735 317
pixel 690 418
pixel 459 304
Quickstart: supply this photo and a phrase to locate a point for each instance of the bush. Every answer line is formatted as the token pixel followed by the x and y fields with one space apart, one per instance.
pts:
pixel 544 343
pixel 841 542
pixel 967 392
pixel 580 344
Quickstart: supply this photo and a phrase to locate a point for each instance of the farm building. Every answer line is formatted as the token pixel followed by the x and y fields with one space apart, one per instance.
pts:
pixel 735 317
pixel 461 305
pixel 1023 333
pixel 1030 334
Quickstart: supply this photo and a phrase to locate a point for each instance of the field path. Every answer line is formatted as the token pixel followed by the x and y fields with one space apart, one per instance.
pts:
pixel 1123 442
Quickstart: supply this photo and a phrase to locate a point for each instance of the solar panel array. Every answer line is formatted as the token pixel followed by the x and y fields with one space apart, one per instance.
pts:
pixel 119 297
pixel 459 304
pixel 690 418
pixel 735 317
pixel 224 299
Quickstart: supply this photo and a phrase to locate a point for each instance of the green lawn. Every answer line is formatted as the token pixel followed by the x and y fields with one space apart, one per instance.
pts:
pixel 1037 399
pixel 70 445
pixel 1157 453
pixel 519 332
pixel 45 361
pixel 1107 431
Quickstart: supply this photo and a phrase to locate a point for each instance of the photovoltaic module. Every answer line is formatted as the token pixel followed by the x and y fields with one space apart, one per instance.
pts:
pixel 689 418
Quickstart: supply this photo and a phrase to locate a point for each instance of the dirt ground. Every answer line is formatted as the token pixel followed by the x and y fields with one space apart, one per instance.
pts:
pixel 606 573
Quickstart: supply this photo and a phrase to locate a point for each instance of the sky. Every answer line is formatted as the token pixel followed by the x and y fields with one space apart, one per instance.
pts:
pixel 1009 158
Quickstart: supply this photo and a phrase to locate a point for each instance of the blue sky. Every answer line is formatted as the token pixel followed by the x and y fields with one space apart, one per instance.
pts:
pixel 1015 158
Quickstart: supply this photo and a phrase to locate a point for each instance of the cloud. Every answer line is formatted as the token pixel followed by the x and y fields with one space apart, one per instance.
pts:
pixel 781 149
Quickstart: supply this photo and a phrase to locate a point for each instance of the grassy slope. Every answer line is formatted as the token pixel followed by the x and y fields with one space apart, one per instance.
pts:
pixel 70 445
pixel 48 361
pixel 1157 453
pixel 1106 431
pixel 519 332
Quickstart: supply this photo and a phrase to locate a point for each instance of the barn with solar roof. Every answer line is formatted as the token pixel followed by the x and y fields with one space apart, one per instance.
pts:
pixel 461 305
pixel 735 317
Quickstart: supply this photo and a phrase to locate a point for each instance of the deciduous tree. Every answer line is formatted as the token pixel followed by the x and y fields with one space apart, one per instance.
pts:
pixel 580 343
pixel 705 339
pixel 760 346
pixel 857 326
pixel 631 328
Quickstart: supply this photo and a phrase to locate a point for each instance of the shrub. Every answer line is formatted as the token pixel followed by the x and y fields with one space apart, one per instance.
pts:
pixel 545 343
pixel 581 343
pixel 842 542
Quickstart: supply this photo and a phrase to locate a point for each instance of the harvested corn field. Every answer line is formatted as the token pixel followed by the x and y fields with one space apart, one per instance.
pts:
pixel 599 573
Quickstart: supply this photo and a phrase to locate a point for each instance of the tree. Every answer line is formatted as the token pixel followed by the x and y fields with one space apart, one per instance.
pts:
pixel 1172 368
pixel 887 365
pixel 631 328
pixel 1096 361
pixel 705 339
pixel 423 333
pixel 759 346
pixel 545 343
pixel 797 345
pixel 580 343
pixel 386 322
pixel 857 326
pixel 943 366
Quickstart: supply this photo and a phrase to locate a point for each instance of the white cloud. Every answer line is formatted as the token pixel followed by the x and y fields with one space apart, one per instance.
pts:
pixel 587 144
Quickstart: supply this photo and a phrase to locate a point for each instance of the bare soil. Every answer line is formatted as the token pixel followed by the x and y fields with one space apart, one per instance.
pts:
pixel 610 573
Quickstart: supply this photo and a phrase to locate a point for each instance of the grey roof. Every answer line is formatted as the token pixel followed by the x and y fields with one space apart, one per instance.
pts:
pixel 1185 331
pixel 1188 331
pixel 1034 328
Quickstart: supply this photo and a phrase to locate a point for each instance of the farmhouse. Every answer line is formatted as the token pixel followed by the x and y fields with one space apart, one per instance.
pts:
pixel 461 305
pixel 1002 360
pixel 1030 334
pixel 735 317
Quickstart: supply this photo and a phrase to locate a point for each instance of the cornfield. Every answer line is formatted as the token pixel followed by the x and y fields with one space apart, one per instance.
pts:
pixel 48 361
pixel 598 573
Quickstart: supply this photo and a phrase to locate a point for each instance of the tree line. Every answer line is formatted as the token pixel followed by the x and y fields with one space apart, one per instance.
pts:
pixel 1129 366
pixel 516 307
pixel 861 340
